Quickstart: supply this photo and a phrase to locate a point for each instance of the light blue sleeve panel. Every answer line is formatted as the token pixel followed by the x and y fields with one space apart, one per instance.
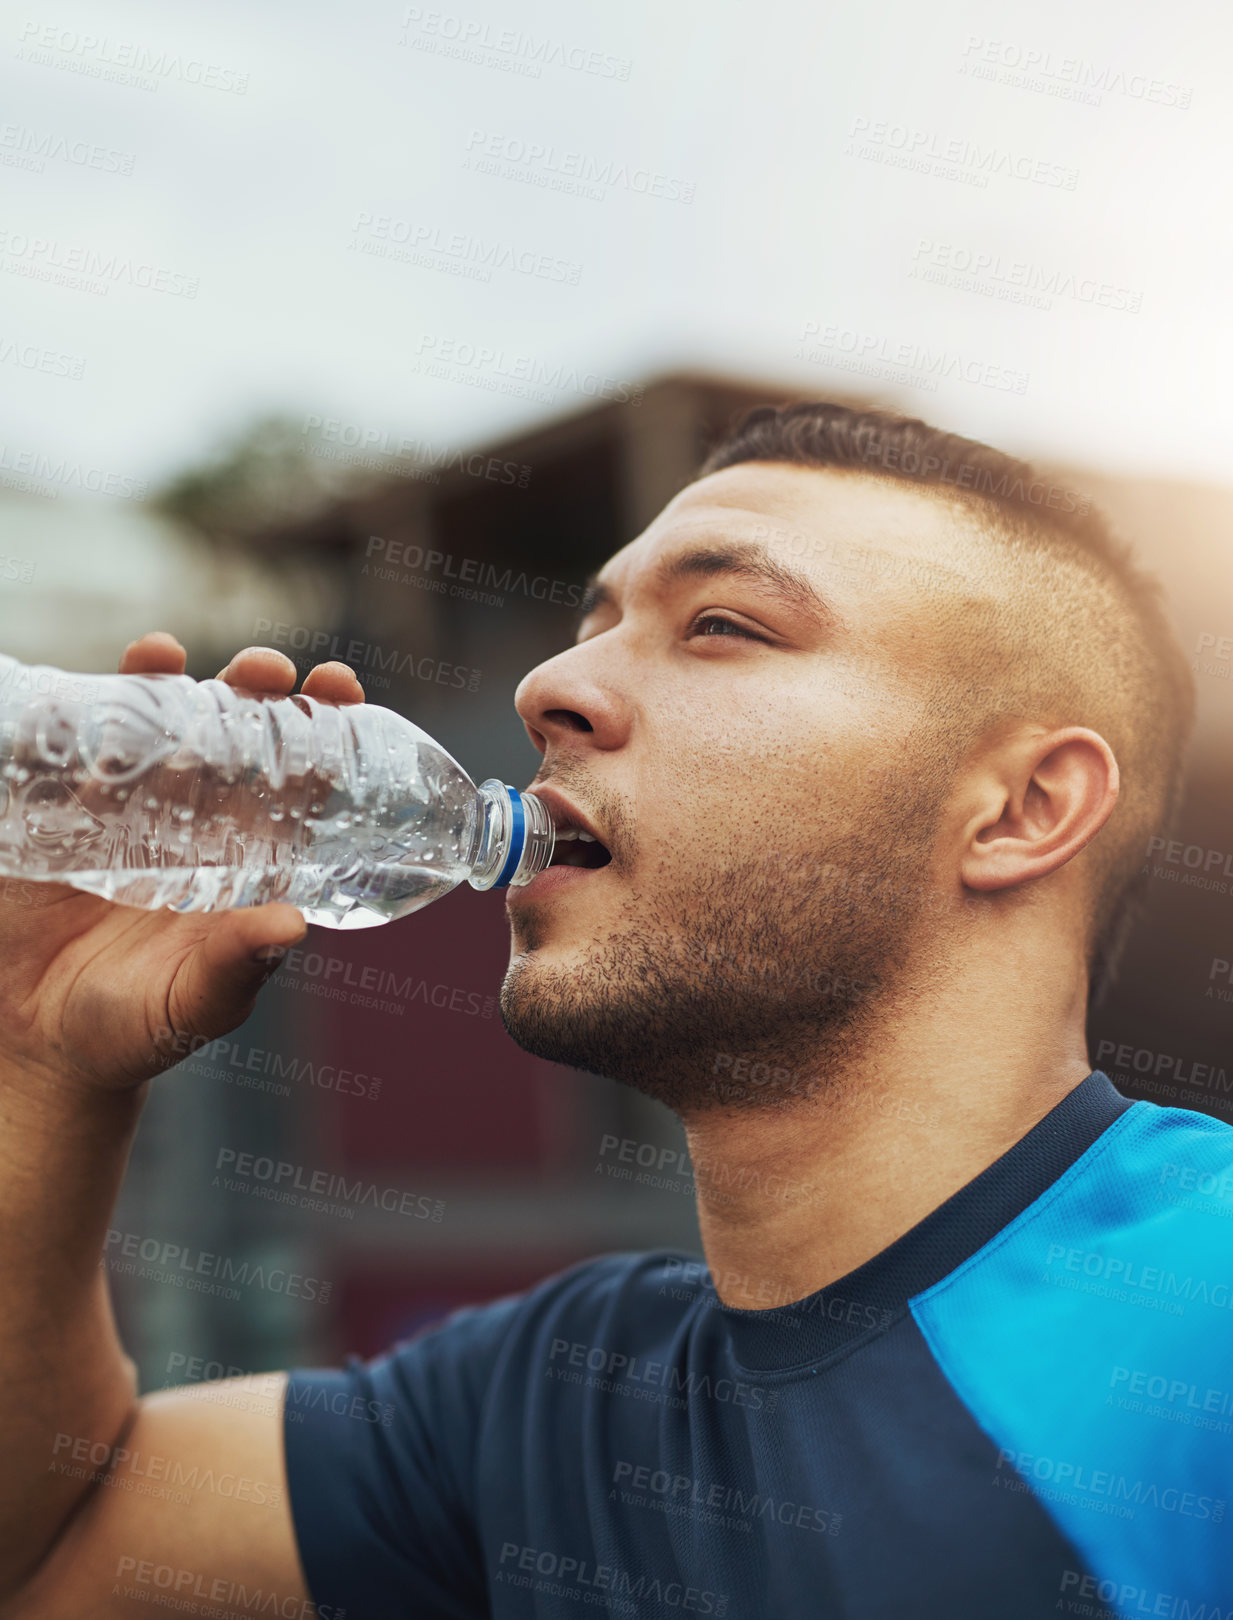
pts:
pixel 1092 1340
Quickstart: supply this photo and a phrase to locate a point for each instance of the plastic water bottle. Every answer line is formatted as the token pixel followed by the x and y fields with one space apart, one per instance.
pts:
pixel 159 790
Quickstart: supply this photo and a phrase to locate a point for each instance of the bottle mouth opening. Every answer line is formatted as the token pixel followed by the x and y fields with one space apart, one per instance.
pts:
pixel 516 840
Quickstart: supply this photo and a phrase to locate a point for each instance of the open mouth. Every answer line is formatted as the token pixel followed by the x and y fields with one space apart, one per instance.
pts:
pixel 573 847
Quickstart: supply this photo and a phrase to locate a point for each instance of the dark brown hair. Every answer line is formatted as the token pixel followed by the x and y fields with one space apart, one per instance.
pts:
pixel 1089 640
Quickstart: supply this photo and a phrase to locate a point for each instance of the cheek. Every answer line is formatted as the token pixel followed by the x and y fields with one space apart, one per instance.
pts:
pixel 726 767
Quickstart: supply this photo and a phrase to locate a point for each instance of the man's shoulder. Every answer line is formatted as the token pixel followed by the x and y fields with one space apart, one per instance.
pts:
pixel 1157 1185
pixel 1170 1158
pixel 1091 1340
pixel 1143 1218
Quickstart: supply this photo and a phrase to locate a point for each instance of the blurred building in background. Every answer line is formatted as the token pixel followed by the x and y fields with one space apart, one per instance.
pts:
pixel 458 1166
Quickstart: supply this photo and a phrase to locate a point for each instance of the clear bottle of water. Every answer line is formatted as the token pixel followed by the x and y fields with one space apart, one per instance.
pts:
pixel 159 790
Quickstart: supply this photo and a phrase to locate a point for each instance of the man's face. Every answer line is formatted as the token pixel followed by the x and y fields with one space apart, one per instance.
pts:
pixel 744 733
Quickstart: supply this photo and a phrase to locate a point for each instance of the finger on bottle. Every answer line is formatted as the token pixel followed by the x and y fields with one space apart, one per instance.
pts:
pixel 260 669
pixel 333 682
pixel 155 653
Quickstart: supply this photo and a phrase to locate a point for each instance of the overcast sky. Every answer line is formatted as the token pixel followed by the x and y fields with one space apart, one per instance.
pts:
pixel 348 197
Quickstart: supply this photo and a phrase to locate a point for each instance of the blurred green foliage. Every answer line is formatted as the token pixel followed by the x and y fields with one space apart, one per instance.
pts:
pixel 263 479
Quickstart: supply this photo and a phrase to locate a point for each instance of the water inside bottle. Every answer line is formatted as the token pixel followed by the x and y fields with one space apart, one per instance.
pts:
pixel 322 894
pixel 185 838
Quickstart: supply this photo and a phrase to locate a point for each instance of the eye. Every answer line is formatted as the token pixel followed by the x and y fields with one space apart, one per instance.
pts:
pixel 727 627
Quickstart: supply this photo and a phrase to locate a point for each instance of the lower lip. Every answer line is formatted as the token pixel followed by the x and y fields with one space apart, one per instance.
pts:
pixel 550 880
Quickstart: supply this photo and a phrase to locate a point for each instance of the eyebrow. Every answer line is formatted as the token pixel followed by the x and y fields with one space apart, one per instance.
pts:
pixel 740 560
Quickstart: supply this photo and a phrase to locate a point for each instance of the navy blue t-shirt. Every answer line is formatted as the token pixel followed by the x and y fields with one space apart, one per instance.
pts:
pixel 1023 1407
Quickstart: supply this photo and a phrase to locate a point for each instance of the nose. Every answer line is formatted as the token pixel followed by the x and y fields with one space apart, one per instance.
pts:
pixel 570 696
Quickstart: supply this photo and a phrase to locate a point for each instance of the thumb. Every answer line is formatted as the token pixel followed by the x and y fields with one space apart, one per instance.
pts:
pixel 223 975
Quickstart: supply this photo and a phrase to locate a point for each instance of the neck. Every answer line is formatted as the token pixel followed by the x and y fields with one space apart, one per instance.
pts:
pixel 793 1199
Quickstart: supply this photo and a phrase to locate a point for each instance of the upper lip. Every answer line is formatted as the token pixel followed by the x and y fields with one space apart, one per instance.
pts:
pixel 564 814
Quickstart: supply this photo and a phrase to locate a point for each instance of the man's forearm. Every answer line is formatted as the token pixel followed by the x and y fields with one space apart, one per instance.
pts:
pixel 63 1370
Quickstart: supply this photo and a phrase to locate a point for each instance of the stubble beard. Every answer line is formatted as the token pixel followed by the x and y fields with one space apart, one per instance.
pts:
pixel 757 987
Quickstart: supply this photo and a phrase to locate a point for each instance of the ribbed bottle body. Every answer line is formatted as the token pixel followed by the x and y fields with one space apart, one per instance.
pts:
pixel 159 790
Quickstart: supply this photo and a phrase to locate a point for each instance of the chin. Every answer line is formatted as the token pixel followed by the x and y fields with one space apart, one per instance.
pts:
pixel 538 1023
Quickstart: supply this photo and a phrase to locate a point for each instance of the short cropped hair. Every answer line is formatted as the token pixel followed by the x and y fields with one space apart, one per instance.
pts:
pixel 1061 624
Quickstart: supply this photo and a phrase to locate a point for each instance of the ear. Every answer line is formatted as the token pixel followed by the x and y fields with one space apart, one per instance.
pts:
pixel 1043 798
